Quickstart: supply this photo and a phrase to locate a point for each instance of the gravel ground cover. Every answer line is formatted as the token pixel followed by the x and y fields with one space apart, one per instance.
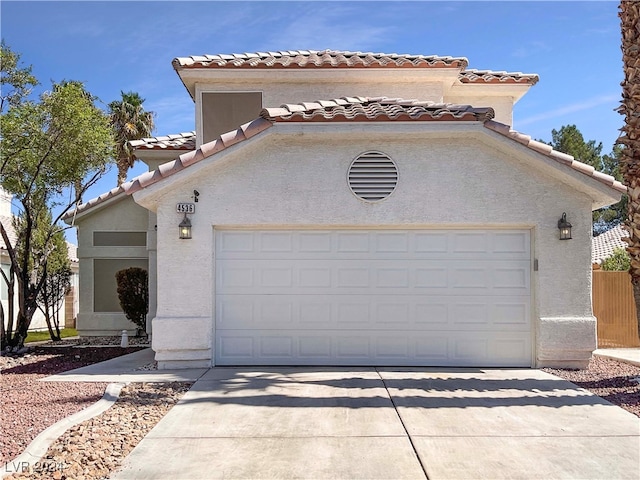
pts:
pixel 616 382
pixel 95 448
pixel 27 406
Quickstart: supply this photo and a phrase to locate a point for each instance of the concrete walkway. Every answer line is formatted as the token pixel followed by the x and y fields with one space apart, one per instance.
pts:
pixel 125 369
pixel 387 423
pixel 626 355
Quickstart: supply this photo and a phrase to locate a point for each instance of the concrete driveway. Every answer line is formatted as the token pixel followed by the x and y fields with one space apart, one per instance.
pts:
pixel 387 423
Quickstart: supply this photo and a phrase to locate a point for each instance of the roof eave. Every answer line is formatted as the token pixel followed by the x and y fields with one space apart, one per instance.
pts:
pixel 603 189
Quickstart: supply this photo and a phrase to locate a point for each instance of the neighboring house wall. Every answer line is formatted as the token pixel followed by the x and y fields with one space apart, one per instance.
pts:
pixel 38 322
pixel 110 239
pixel 298 179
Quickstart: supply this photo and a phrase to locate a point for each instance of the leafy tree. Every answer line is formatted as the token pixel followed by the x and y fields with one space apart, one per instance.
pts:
pixel 60 143
pixel 17 82
pixel 629 13
pixel 570 140
pixel 619 261
pixel 129 121
pixel 56 272
pixel 133 293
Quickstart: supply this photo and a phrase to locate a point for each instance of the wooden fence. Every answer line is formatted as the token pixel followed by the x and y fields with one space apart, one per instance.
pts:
pixel 615 309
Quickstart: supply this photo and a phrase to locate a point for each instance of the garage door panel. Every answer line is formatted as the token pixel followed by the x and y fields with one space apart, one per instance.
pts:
pixel 336 244
pixel 373 297
pixel 318 347
pixel 402 277
pixel 304 347
pixel 384 312
pixel 276 346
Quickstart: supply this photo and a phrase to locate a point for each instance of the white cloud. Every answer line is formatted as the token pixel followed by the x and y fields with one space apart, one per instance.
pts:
pixel 586 104
pixel 532 48
pixel 327 25
pixel 174 114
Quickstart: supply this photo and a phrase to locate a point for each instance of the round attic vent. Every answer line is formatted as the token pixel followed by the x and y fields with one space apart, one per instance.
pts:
pixel 373 176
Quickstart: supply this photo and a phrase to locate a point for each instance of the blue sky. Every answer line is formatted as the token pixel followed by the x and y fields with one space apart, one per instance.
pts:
pixel 111 46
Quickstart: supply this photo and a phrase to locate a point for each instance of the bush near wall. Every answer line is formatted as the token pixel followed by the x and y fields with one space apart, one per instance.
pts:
pixel 133 294
pixel 618 262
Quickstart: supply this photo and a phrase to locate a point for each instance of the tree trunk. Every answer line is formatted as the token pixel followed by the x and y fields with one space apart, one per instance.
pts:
pixel 3 334
pixel 123 169
pixel 629 13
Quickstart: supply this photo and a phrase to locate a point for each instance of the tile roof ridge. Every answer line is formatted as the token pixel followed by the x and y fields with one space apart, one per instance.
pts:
pixel 548 151
pixel 319 58
pixel 375 109
pixel 176 141
pixel 474 75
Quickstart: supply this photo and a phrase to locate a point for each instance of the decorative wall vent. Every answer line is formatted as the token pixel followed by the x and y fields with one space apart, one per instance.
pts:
pixel 373 176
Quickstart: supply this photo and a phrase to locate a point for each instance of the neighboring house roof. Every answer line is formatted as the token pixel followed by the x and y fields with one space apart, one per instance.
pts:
pixel 181 141
pixel 603 245
pixel 347 109
pixel 73 252
pixel 296 59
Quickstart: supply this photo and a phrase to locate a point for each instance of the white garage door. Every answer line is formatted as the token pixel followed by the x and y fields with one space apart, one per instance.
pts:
pixel 373 297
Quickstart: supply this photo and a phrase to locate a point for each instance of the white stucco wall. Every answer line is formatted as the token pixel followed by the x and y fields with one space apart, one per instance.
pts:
pixel 447 178
pixel 280 87
pixel 38 321
pixel 122 215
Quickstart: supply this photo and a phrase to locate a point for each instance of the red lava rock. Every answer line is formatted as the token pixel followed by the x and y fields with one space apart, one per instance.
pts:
pixel 28 406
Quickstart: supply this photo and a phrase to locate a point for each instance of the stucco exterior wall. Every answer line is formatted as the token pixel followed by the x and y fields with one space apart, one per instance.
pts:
pixel 38 321
pixel 275 94
pixel 125 216
pixel 280 87
pixel 446 179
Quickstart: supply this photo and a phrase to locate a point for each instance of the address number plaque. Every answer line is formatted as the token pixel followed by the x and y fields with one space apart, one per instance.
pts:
pixel 186 208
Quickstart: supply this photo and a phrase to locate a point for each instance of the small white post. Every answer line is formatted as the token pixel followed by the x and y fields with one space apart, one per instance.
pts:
pixel 124 343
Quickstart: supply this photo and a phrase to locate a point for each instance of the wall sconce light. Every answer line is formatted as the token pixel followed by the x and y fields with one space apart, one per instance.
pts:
pixel 564 227
pixel 185 228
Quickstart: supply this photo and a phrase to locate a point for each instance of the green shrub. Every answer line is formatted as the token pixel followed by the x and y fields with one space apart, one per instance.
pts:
pixel 133 294
pixel 619 261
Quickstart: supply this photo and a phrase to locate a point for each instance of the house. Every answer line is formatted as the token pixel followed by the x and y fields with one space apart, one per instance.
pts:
pixel 348 208
pixel 603 246
pixel 70 305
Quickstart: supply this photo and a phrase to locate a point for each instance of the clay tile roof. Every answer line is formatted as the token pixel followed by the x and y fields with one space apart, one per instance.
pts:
pixel 489 76
pixel 345 109
pixel 559 157
pixel 319 58
pixel 603 245
pixel 180 141
pixel 375 109
pixel 165 170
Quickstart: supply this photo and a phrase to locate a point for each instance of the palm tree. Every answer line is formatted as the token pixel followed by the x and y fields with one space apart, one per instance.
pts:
pixel 629 13
pixel 129 121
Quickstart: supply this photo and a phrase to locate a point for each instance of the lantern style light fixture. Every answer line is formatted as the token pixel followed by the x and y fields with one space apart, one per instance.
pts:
pixel 185 228
pixel 564 227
